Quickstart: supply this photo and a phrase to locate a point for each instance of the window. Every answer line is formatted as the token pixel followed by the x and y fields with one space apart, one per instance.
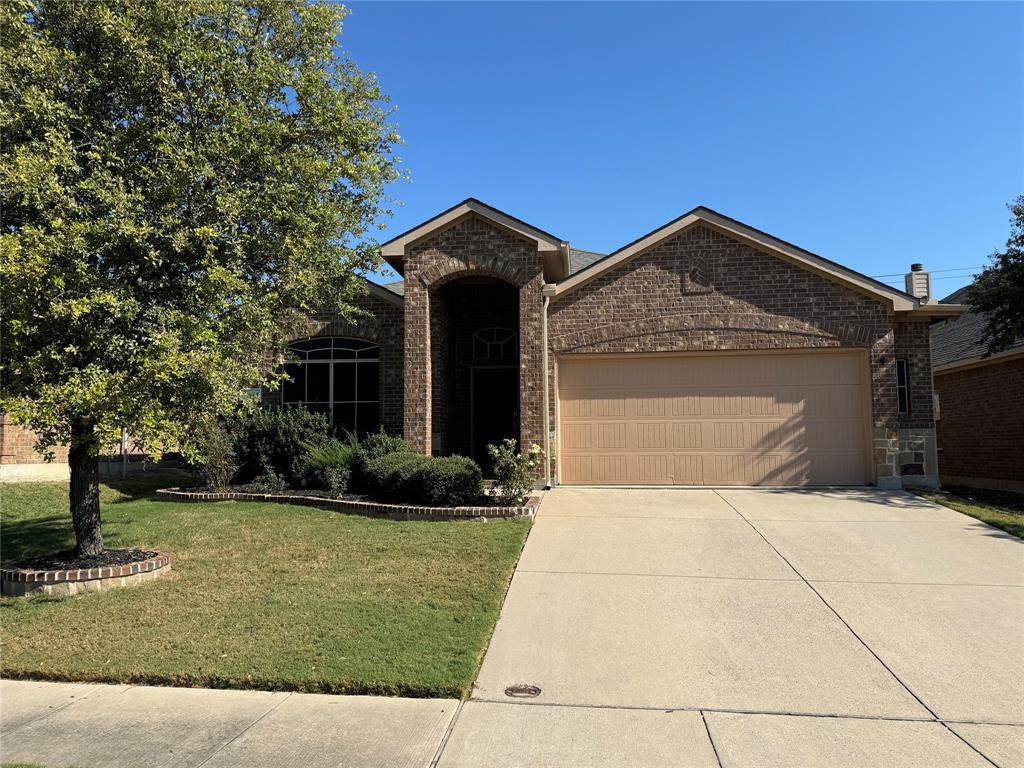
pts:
pixel 337 377
pixel 495 344
pixel 902 387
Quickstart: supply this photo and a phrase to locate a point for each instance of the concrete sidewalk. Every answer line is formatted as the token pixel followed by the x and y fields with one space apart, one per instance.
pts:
pixel 60 725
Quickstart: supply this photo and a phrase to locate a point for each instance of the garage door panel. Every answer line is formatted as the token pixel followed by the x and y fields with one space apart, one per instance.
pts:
pixel 784 419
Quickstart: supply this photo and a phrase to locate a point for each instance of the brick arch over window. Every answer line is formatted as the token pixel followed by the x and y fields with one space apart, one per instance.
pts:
pixel 365 327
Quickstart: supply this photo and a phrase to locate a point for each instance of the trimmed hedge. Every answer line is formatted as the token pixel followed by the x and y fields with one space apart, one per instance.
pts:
pixel 389 476
pixel 448 481
pixel 415 479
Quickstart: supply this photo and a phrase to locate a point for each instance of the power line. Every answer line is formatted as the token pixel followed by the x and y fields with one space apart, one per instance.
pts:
pixel 952 269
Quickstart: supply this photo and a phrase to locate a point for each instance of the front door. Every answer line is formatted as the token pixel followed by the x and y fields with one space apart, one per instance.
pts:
pixel 495 410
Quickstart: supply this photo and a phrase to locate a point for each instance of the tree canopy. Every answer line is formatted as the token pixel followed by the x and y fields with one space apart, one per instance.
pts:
pixel 999 290
pixel 179 179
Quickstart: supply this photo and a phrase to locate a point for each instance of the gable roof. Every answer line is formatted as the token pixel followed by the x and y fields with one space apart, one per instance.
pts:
pixel 554 250
pixel 900 300
pixel 961 340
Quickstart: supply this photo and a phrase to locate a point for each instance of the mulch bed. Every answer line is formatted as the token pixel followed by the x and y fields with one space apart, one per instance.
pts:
pixel 70 561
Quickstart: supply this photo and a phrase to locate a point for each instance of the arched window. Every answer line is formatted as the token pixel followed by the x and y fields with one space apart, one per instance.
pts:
pixel 494 344
pixel 338 377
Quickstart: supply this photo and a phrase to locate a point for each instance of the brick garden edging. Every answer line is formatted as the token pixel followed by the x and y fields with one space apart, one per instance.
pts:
pixel 16 582
pixel 395 511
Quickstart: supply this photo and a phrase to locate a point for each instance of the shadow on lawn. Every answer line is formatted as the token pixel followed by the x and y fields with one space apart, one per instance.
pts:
pixel 37 536
pixel 145 486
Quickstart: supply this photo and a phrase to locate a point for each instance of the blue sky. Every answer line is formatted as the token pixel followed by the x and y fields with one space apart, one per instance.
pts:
pixel 874 134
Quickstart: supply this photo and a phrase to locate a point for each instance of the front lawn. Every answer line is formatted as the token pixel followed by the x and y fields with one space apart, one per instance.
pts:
pixel 1002 509
pixel 262 596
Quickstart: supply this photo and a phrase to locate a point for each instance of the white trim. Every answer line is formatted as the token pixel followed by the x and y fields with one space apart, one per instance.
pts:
pixel 760 240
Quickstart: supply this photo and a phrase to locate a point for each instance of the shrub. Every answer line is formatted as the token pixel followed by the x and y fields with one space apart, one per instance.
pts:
pixel 268 482
pixel 371 448
pixel 275 440
pixel 329 466
pixel 513 473
pixel 381 444
pixel 448 480
pixel 217 464
pixel 389 477
pixel 414 479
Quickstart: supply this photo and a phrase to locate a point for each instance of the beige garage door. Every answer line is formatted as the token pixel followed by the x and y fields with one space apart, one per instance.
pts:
pixel 714 419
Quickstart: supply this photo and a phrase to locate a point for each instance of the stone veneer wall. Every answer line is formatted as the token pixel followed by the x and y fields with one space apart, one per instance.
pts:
pixel 470 246
pixel 702 290
pixel 981 425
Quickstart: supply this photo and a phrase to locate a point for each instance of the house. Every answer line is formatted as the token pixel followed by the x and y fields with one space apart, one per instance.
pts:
pixel 980 424
pixel 705 352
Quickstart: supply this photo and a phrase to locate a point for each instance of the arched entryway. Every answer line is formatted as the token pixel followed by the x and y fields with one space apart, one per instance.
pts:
pixel 474 333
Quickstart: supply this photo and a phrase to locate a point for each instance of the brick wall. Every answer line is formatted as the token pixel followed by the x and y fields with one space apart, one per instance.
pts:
pixel 912 343
pixel 702 290
pixel 382 324
pixel 16 445
pixel 468 247
pixel 981 422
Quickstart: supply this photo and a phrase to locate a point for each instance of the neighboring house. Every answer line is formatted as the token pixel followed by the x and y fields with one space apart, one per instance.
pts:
pixel 980 424
pixel 704 353
pixel 20 461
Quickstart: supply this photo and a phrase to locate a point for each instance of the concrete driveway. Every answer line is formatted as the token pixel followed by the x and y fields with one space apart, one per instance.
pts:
pixel 754 628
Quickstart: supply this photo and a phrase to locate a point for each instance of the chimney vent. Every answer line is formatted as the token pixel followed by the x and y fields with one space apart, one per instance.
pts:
pixel 919 283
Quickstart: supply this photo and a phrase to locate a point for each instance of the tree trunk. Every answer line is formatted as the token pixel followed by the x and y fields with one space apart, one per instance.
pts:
pixel 85 490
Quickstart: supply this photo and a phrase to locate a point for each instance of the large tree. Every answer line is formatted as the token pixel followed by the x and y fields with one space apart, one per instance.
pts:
pixel 179 180
pixel 998 291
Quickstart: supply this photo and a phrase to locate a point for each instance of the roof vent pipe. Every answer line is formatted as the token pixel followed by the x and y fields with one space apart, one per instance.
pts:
pixel 919 283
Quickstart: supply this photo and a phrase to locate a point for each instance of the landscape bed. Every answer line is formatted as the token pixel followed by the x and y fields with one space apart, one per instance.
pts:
pixel 354 505
pixel 262 595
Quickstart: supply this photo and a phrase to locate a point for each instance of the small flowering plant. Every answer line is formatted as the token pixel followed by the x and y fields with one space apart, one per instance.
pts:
pixel 514 473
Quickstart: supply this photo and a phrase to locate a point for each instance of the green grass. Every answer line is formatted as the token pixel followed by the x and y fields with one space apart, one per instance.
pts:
pixel 1002 509
pixel 268 596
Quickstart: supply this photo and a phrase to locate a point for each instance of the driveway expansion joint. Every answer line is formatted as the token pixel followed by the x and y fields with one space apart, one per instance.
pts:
pixel 834 611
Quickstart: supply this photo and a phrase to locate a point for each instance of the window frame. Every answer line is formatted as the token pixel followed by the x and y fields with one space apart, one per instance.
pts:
pixel 361 351
pixel 902 386
pixel 511 337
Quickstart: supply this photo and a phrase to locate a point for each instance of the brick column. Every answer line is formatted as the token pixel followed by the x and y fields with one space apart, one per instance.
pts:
pixel 531 382
pixel 417 426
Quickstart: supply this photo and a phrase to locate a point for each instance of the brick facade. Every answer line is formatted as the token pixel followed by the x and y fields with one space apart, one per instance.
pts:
pixel 981 424
pixel 17 445
pixel 702 290
pixel 469 247
pixel 697 290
